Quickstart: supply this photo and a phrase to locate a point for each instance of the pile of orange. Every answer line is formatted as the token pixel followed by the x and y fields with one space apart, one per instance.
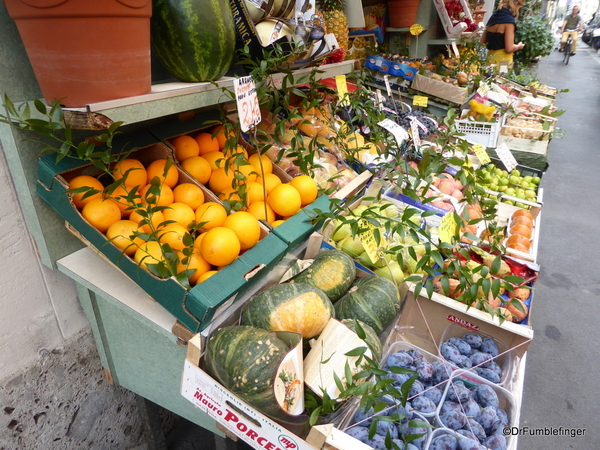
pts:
pixel 520 230
pixel 130 219
pixel 247 182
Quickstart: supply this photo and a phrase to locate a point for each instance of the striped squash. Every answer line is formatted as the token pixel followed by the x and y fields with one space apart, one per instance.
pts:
pixel 193 39
pixel 373 300
pixel 297 307
pixel 245 360
pixel 332 271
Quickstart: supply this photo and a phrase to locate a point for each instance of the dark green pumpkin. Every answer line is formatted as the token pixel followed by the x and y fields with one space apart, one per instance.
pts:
pixel 371 338
pixel 245 360
pixel 193 39
pixel 297 307
pixel 332 271
pixel 373 300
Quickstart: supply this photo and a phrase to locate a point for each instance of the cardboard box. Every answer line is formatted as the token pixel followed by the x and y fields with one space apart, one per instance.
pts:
pixel 525 145
pixel 193 308
pixel 445 91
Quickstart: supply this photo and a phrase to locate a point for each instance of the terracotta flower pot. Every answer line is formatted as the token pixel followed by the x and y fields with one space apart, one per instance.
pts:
pixel 402 13
pixel 86 51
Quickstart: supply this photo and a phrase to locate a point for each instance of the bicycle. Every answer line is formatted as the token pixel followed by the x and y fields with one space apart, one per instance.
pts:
pixel 568 46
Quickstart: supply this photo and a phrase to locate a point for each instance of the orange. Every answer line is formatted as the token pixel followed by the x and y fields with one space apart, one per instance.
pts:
pixel 246 228
pixel 517 239
pixel 220 180
pixel 215 159
pixel 248 171
pixel 261 160
pixel 206 143
pixel 277 223
pixel 220 246
pixel 522 220
pixel 119 195
pixel 237 152
pixel 173 235
pixel 198 168
pixel 190 194
pixel 164 197
pixel 132 170
pixel 197 263
pixel 519 248
pixel 156 219
pixel 85 181
pixel 521 229
pixel 101 213
pixel 148 253
pixel 157 169
pixel 180 213
pixel 263 211
pixel 230 194
pixel 271 180
pixel 121 233
pixel 211 214
pixel 198 241
pixel 254 192
pixel 285 200
pixel 206 275
pixel 220 135
pixel 307 187
pixel 522 212
pixel 185 147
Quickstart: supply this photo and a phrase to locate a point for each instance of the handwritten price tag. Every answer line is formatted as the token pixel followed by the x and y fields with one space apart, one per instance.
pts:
pixel 367 238
pixel 506 157
pixel 399 133
pixel 414 128
pixel 448 228
pixel 388 88
pixel 247 102
pixel 481 154
pixel 420 100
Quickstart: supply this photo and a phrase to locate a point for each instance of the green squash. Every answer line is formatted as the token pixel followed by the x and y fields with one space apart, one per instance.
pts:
pixel 245 360
pixel 297 307
pixel 373 300
pixel 371 338
pixel 332 271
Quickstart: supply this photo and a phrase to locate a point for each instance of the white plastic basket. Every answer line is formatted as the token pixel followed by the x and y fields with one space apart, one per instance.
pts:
pixel 484 133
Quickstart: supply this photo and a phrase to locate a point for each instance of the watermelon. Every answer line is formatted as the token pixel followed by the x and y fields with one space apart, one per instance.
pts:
pixel 373 300
pixel 193 39
pixel 245 360
pixel 332 271
pixel 371 338
pixel 297 307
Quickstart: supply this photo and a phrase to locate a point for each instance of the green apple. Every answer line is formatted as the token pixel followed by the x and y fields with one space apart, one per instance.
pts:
pixel 510 191
pixel 341 231
pixel 503 181
pixel 502 188
pixel 536 180
pixel 529 194
pixel 515 172
pixel 392 271
pixel 353 246
pixel 528 178
pixel 514 179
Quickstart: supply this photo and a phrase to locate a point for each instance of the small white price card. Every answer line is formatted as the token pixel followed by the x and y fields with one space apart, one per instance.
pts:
pixel 414 128
pixel 420 100
pixel 506 157
pixel 483 89
pixel 367 238
pixel 448 228
pixel 399 133
pixel 388 88
pixel 247 102
pixel 481 154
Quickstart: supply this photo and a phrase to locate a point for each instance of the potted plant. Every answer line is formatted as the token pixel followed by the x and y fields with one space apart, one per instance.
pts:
pixel 536 33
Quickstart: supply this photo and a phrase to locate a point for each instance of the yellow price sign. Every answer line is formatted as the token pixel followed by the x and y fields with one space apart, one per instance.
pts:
pixel 420 100
pixel 416 29
pixel 481 154
pixel 369 242
pixel 342 88
pixel 448 228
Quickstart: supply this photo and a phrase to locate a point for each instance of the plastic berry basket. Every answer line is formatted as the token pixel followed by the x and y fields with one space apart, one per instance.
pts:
pixel 504 360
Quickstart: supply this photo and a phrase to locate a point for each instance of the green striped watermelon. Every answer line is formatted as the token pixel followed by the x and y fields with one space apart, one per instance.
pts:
pixel 373 300
pixel 193 39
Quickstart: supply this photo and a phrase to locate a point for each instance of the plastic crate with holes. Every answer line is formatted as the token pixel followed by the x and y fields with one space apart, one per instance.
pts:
pixel 484 133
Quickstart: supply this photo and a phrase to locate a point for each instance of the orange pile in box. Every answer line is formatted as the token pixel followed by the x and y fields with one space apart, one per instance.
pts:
pixel 246 182
pixel 141 218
